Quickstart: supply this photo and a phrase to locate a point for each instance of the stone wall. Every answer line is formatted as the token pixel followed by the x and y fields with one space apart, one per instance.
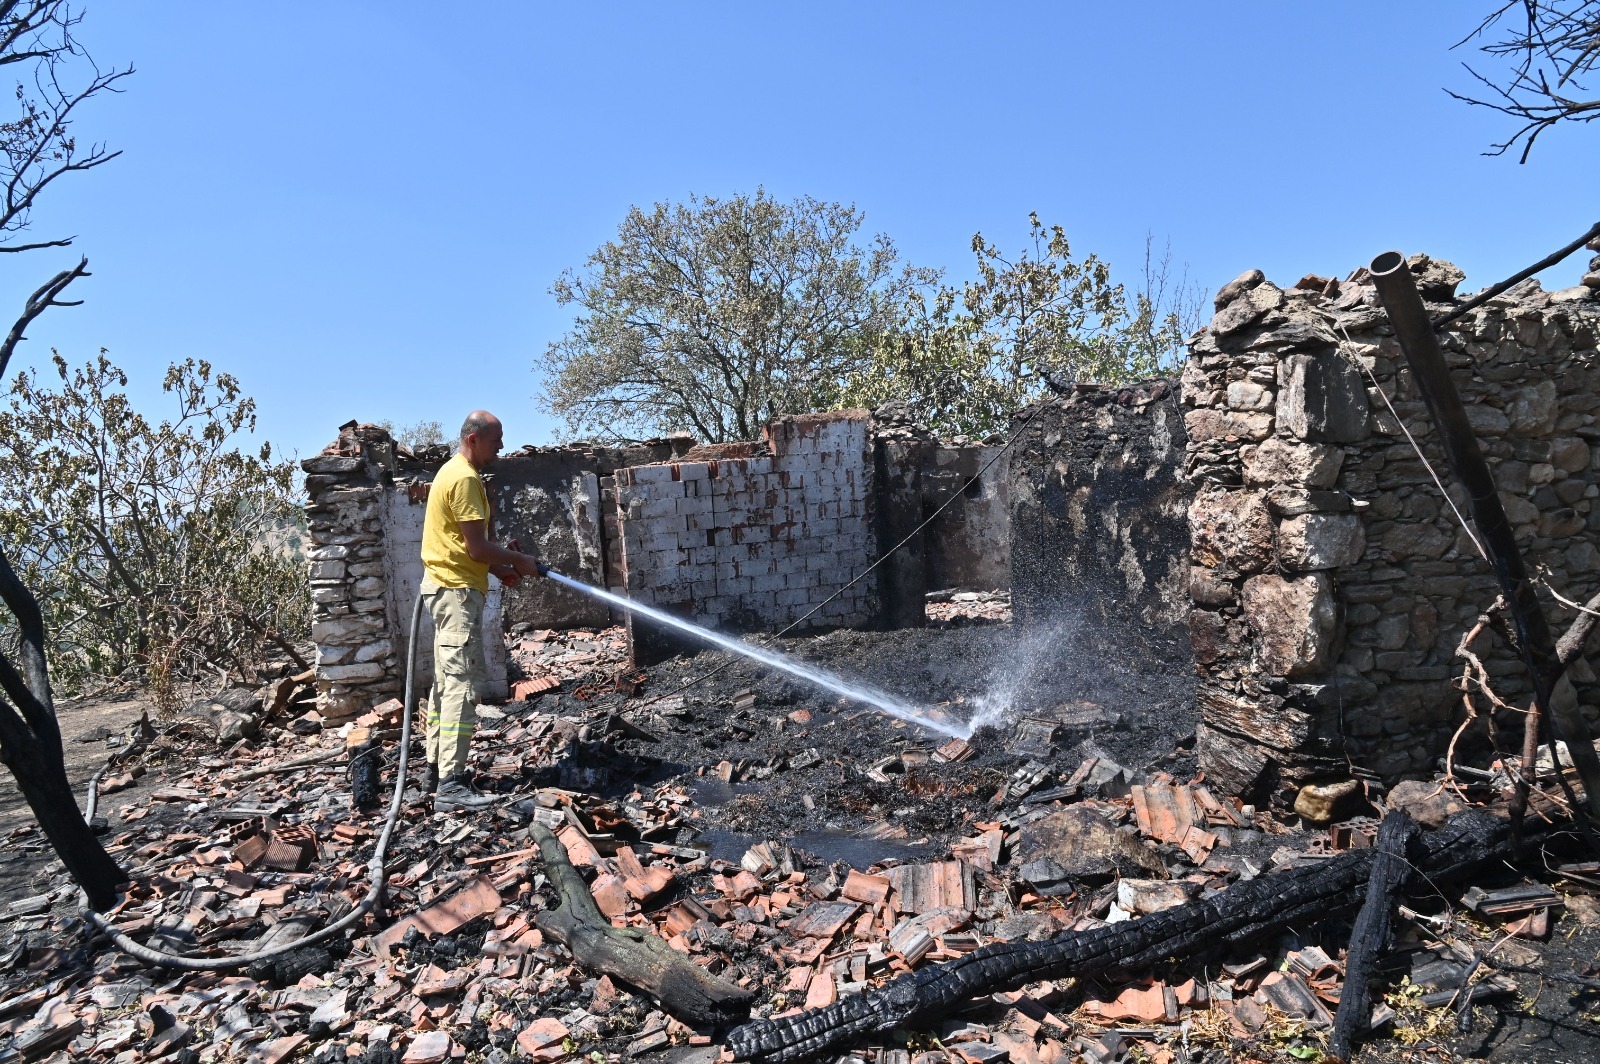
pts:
pixel 741 536
pixel 1331 583
pixel 1098 529
pixel 357 657
pixel 756 542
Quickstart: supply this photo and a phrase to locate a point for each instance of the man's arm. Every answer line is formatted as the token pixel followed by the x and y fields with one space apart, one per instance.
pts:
pixel 485 551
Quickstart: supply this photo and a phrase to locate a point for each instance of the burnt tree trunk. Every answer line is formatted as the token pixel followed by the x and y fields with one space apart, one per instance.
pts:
pixel 30 746
pixel 639 957
pixel 1300 897
pixel 1371 932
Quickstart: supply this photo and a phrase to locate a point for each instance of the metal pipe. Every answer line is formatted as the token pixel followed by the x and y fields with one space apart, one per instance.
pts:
pixel 1397 290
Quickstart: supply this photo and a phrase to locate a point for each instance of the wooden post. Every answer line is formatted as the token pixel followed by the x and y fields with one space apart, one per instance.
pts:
pixel 1371 932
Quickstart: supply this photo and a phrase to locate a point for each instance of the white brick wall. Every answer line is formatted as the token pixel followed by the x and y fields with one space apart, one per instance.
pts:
pixel 764 539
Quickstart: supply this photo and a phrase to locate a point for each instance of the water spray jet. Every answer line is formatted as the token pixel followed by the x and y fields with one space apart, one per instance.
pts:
pixel 882 702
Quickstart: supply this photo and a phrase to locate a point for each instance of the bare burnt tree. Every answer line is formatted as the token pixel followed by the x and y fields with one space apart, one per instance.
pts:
pixel 1548 46
pixel 56 76
pixel 37 37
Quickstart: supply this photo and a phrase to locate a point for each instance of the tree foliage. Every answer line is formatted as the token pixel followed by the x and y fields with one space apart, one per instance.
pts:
pixel 156 549
pixel 1543 50
pixel 717 315
pixel 967 359
pixel 421 434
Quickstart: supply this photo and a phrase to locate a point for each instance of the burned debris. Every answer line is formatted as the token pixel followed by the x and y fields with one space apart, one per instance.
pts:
pixel 1159 815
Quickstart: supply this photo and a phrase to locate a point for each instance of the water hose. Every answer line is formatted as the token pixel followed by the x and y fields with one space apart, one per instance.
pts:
pixel 375 868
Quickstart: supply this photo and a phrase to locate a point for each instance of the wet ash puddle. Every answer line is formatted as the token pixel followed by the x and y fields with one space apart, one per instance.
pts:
pixel 822 847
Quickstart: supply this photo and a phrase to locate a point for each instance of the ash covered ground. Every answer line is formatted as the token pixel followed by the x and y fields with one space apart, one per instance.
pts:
pixel 799 758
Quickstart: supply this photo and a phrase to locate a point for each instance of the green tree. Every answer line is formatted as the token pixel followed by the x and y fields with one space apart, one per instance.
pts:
pixel 156 550
pixel 717 315
pixel 421 434
pixel 966 360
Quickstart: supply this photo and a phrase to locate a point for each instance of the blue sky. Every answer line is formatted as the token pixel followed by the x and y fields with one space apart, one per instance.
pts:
pixel 359 214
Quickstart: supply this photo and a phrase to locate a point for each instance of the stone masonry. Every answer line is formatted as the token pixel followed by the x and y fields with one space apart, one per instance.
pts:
pixel 356 659
pixel 1099 533
pixel 1330 581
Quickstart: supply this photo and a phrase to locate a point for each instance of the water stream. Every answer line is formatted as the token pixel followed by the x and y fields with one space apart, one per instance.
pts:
pixel 828 681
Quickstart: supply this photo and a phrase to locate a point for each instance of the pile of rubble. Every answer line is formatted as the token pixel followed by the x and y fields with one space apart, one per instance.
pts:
pixel 234 852
pixel 947 609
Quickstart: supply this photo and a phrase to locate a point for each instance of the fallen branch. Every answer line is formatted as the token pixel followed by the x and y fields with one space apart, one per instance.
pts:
pixel 1371 933
pixel 289 766
pixel 1521 275
pixel 1299 897
pixel 636 955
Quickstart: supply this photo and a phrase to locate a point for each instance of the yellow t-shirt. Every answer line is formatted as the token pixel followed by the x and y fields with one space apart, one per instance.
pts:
pixel 457 495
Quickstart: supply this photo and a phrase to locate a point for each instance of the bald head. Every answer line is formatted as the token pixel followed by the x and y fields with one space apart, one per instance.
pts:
pixel 481 438
pixel 477 421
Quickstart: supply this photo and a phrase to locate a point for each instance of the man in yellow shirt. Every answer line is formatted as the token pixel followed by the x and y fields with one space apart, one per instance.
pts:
pixel 457 558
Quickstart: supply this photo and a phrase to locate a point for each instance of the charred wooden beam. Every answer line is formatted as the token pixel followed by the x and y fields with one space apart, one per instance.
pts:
pixel 1371 932
pixel 1299 897
pixel 637 956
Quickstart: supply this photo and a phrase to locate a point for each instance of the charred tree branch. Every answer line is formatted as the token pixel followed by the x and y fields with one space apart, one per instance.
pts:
pixel 1371 932
pixel 1521 275
pixel 640 957
pixel 45 297
pixel 1295 897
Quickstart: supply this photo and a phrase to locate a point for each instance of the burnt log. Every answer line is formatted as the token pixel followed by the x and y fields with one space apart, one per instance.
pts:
pixel 1300 897
pixel 1371 932
pixel 636 956
pixel 30 745
pixel 364 768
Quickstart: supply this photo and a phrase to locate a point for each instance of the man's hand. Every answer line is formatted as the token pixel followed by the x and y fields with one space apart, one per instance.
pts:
pixel 533 571
pixel 481 549
pixel 506 575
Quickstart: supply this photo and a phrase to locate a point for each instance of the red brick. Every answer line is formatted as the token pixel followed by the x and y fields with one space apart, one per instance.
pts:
pixel 610 894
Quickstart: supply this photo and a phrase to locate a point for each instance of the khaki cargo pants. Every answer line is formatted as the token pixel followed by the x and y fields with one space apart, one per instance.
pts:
pixel 458 673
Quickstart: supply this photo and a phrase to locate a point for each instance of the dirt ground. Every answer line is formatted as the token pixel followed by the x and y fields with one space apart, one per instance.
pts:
pixel 91 730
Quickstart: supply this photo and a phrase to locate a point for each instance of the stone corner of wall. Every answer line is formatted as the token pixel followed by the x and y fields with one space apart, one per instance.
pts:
pixel 1323 557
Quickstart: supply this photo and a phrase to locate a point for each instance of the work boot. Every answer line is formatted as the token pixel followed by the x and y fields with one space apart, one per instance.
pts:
pixel 456 795
pixel 430 779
